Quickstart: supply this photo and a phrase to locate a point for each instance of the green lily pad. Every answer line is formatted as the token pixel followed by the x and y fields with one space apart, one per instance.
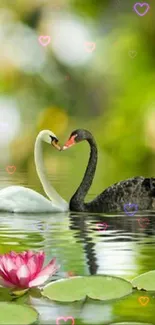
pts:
pixel 14 314
pixel 96 287
pixel 145 281
pixel 66 289
pixel 131 323
pixel 5 294
pixel 107 287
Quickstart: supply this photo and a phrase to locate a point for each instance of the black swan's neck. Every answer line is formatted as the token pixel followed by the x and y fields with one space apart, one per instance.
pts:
pixel 77 200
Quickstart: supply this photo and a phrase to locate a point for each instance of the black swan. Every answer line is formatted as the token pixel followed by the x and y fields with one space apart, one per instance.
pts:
pixel 137 190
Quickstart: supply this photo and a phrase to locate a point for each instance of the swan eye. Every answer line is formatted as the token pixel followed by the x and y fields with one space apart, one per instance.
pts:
pixel 54 139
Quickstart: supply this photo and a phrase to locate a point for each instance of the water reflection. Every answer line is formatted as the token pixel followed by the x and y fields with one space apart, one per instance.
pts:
pixel 79 222
pixel 124 249
pixel 117 249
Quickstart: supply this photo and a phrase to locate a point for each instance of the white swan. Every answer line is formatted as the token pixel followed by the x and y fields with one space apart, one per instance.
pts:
pixel 21 199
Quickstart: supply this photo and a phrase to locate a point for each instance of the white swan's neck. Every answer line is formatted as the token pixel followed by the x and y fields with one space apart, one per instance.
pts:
pixel 49 190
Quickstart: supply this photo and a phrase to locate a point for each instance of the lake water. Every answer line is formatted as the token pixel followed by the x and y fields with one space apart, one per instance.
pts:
pixel 124 246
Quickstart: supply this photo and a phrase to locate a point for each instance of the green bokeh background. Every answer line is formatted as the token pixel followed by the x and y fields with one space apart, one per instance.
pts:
pixel 112 94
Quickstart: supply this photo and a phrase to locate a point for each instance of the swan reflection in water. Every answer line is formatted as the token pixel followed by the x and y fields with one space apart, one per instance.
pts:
pixel 112 251
pixel 29 222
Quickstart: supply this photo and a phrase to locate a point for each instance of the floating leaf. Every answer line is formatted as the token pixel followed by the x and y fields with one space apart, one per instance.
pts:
pixel 140 314
pixel 14 314
pixel 131 323
pixel 107 287
pixel 66 290
pixel 5 294
pixel 145 281
pixel 96 287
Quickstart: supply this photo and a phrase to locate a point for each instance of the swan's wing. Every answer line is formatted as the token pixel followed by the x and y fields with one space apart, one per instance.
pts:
pixel 21 199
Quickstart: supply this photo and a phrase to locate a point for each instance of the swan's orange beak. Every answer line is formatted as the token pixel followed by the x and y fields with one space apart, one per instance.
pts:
pixel 56 145
pixel 69 143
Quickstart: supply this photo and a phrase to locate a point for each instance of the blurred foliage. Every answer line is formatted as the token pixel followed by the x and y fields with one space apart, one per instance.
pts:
pixel 51 119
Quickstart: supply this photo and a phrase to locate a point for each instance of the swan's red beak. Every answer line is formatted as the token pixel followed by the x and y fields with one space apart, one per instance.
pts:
pixel 69 143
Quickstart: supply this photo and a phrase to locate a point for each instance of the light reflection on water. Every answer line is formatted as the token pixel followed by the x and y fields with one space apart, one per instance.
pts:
pixel 124 249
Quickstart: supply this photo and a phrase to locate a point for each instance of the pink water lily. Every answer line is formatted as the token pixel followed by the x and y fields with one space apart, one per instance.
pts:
pixel 24 270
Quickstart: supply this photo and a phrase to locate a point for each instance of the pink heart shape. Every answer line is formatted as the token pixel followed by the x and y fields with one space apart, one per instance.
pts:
pixel 141 5
pixel 103 225
pixel 11 169
pixel 143 222
pixel 65 319
pixel 90 46
pixel 44 40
